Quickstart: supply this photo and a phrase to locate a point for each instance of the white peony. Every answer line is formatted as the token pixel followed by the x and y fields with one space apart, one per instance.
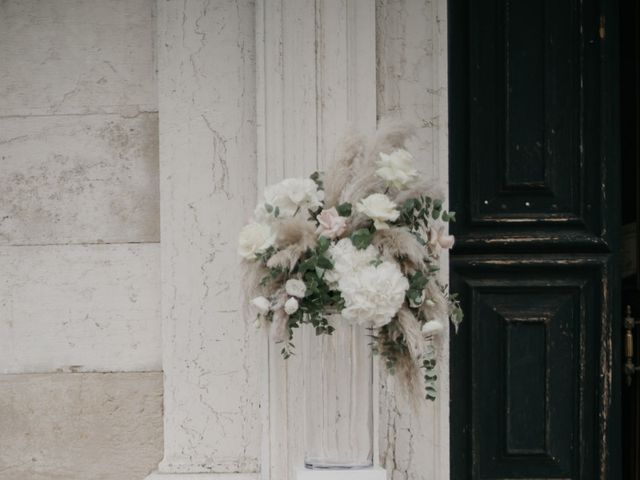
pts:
pixel 290 196
pixel 291 306
pixel 379 208
pixel 347 259
pixel 261 304
pixel 255 238
pixel 373 295
pixel 295 288
pixel 397 168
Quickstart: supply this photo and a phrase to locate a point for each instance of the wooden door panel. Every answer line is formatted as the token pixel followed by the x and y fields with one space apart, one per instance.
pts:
pixel 534 135
pixel 530 363
pixel 527 82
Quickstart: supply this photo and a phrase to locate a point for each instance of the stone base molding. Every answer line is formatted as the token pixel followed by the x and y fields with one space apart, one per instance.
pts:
pixel 207 476
pixel 375 473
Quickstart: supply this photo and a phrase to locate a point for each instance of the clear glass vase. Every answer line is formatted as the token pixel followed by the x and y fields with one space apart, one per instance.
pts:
pixel 338 397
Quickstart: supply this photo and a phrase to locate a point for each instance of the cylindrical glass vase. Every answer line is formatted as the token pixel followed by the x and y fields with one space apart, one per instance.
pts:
pixel 338 397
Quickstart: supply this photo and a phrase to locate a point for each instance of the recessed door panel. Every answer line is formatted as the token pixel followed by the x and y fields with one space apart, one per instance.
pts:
pixel 527 365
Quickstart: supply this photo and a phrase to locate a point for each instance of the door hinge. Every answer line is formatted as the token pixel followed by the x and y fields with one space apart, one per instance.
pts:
pixel 630 367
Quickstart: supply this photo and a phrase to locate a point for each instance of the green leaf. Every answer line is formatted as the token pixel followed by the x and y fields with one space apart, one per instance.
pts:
pixel 308 264
pixel 361 239
pixel 268 207
pixel 409 205
pixel 323 244
pixel 344 209
pixel 324 262
pixel 317 177
pixel 418 281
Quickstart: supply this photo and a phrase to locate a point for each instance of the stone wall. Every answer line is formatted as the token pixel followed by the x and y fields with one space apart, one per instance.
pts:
pixel 79 233
pixel 85 163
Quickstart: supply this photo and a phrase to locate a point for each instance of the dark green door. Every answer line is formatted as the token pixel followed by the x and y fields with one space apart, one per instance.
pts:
pixel 533 142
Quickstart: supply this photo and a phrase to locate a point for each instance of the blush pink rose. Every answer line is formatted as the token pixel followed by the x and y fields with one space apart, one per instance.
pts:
pixel 446 241
pixel 331 224
pixel 442 240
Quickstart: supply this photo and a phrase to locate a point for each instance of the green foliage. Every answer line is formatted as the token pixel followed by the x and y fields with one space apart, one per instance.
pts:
pixel 390 344
pixel 430 378
pixel 323 244
pixel 270 209
pixel 437 209
pixel 362 238
pixel 318 177
pixel 455 311
pixel 417 282
pixel 449 216
pixel 321 299
pixel 417 213
pixel 344 209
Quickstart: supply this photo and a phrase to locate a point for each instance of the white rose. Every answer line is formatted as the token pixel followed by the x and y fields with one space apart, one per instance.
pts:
pixel 254 239
pixel 331 224
pixel 261 304
pixel 397 168
pixel 296 288
pixel 431 328
pixel 347 259
pixel 379 208
pixel 290 196
pixel 291 306
pixel 373 295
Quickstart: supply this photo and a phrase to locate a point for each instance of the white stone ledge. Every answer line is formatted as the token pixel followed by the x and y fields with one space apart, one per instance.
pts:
pixel 203 476
pixel 375 473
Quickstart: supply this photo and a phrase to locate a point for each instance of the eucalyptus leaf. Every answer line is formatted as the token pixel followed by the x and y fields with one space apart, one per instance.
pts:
pixel 344 209
pixel 361 239
pixel 324 262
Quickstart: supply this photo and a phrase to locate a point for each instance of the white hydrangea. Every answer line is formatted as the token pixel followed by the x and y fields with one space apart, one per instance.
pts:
pixel 346 259
pixel 373 294
pixel 290 196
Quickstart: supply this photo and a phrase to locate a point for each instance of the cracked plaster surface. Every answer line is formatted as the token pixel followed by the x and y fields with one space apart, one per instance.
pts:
pixel 207 164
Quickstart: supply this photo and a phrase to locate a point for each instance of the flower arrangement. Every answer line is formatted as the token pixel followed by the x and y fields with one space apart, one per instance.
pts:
pixel 359 244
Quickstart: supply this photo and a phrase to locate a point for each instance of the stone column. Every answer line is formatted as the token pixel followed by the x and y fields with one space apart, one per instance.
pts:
pixel 208 175
pixel 316 76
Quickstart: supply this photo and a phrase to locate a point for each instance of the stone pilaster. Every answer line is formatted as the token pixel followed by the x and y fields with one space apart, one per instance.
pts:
pixel 212 426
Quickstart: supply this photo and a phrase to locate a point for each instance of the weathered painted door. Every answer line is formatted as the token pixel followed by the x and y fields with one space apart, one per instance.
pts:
pixel 534 141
